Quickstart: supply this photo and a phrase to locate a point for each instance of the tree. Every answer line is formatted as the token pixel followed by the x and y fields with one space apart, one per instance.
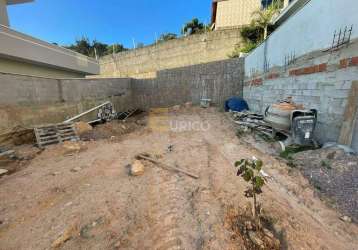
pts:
pixel 264 17
pixel 115 48
pixel 95 48
pixel 167 37
pixel 194 27
pixel 249 170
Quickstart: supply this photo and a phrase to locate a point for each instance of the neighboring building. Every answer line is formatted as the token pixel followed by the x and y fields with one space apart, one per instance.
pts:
pixel 26 55
pixel 233 13
pixel 236 13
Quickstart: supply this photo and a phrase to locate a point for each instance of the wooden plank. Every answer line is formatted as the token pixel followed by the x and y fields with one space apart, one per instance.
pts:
pixel 350 117
pixel 167 166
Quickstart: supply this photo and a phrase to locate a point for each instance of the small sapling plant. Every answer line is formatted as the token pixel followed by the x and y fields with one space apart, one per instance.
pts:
pixel 249 170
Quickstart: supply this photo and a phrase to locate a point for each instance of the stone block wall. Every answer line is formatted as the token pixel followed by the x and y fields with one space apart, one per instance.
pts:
pixel 27 101
pixel 217 81
pixel 318 80
pixel 192 50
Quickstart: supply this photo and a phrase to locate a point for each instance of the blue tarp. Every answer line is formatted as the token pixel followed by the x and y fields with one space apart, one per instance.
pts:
pixel 236 104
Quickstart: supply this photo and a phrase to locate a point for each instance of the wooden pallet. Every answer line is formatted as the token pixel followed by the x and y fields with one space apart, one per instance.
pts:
pixel 54 134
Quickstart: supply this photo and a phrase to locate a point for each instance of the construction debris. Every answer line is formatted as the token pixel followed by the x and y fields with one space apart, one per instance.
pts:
pixel 125 115
pixel 137 168
pixel 82 128
pixel 105 112
pixel 72 147
pixel 3 171
pixel 54 134
pixel 7 157
pixel 165 166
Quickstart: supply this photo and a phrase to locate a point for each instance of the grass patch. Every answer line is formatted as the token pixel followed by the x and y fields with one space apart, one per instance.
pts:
pixel 294 149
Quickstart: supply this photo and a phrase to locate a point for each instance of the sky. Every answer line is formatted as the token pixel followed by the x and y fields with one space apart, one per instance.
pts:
pixel 108 21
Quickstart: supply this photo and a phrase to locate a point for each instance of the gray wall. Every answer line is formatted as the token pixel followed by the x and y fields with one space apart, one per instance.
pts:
pixel 216 81
pixel 319 80
pixel 310 29
pixel 29 101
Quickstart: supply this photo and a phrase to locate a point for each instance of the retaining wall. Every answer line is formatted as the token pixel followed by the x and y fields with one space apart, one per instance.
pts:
pixel 319 80
pixel 191 50
pixel 217 81
pixel 30 101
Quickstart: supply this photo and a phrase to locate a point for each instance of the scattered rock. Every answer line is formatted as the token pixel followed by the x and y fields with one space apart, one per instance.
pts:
pixel 66 235
pixel 3 171
pixel 70 147
pixel 82 128
pixel 76 169
pixel 256 240
pixel 346 219
pixel 137 168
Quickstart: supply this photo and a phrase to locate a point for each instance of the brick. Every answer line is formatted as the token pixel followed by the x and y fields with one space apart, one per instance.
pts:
pixel 354 61
pixel 292 72
pixel 322 67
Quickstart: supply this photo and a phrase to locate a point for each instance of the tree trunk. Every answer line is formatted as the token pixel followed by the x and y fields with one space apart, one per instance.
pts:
pixel 265 32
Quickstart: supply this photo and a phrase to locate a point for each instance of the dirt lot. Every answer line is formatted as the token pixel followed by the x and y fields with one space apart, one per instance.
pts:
pixel 87 200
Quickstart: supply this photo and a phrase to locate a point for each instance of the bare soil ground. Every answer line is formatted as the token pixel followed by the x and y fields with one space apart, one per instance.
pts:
pixel 87 200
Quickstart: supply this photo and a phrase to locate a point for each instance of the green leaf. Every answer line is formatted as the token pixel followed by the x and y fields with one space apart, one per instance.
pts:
pixel 258 182
pixel 239 163
pixel 248 175
pixel 258 165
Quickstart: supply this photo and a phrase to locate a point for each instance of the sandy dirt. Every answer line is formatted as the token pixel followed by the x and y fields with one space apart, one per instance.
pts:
pixel 87 200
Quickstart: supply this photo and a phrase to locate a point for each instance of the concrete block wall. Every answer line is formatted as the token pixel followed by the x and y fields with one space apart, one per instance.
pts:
pixel 192 50
pixel 217 81
pixel 27 101
pixel 319 80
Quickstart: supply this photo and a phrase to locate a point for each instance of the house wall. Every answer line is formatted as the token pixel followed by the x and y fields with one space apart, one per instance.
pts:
pixel 4 19
pixel 310 29
pixel 20 47
pixel 196 49
pixel 24 68
pixel 233 13
pixel 319 80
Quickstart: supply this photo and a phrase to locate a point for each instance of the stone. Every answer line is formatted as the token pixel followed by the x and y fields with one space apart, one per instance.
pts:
pixel 137 168
pixel 76 169
pixel 3 171
pixel 346 219
pixel 70 147
pixel 82 127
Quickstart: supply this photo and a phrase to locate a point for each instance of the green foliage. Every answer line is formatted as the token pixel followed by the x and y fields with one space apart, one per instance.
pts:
pixel 249 170
pixel 167 36
pixel 258 30
pixel 95 48
pixel 194 27
pixel 294 149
